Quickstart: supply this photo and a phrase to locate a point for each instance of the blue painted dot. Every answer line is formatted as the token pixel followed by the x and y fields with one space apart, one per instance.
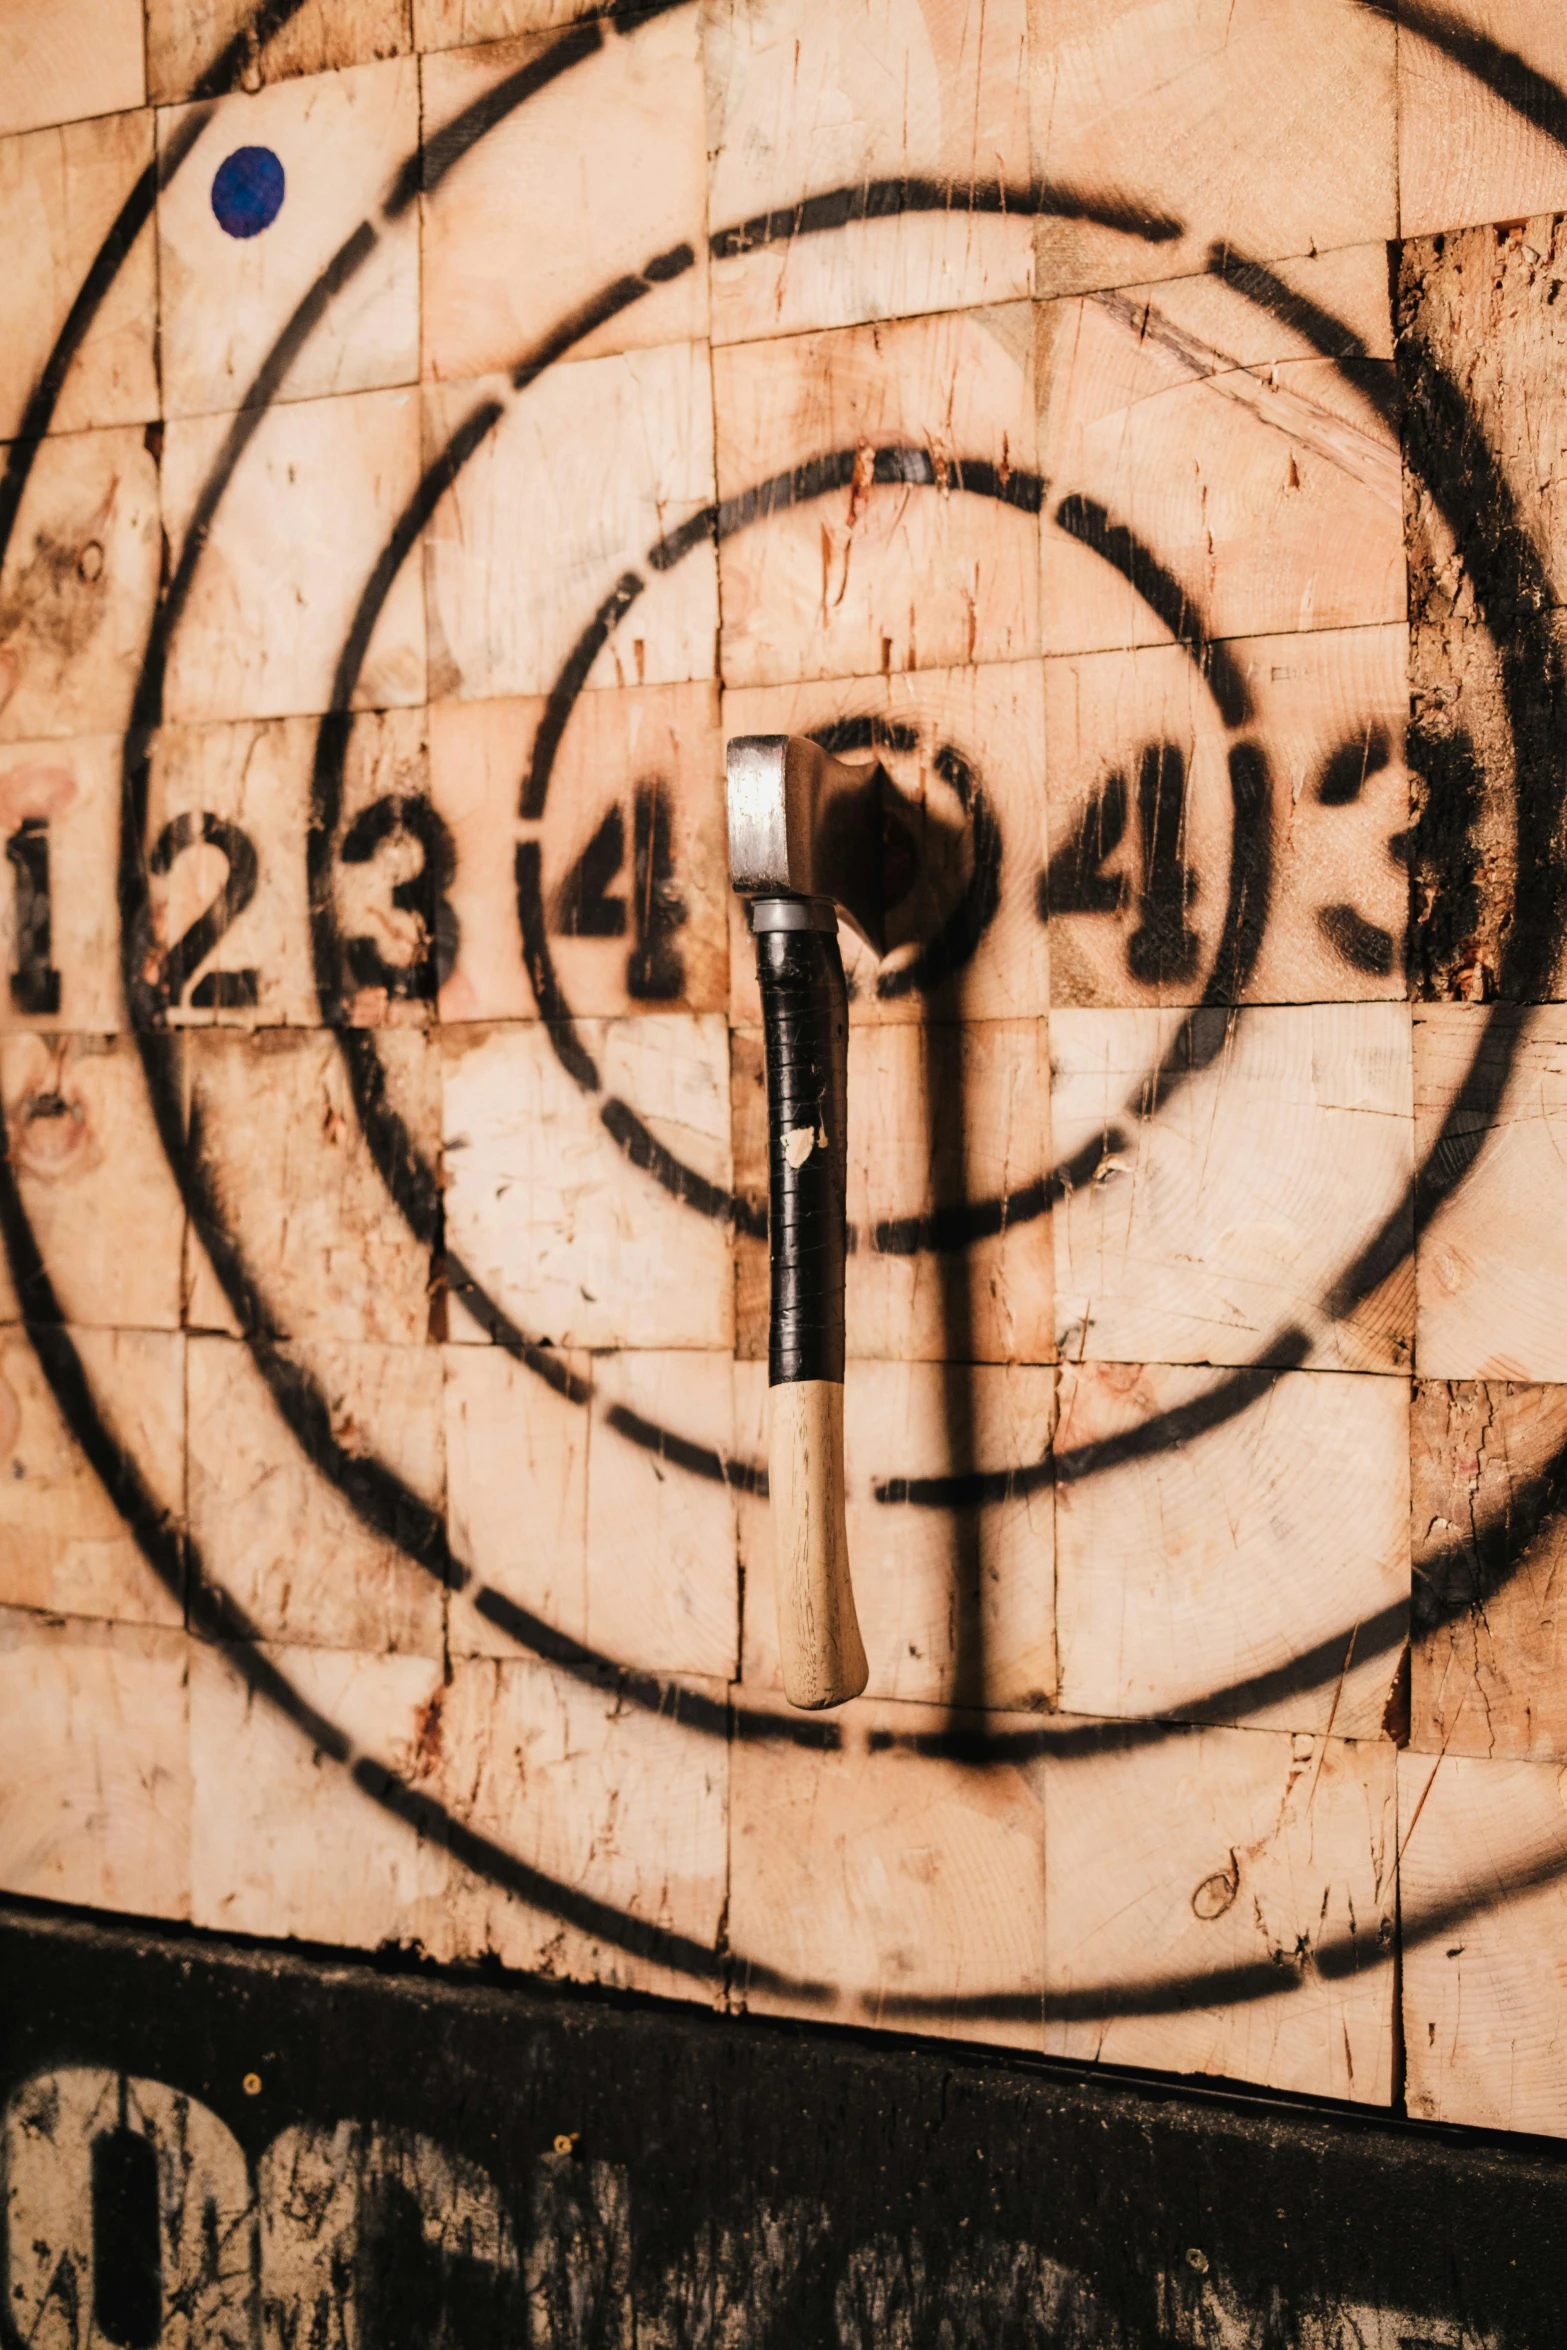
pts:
pixel 247 193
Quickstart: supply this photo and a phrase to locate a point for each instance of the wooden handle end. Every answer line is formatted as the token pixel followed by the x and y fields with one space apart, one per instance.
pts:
pixel 818 1630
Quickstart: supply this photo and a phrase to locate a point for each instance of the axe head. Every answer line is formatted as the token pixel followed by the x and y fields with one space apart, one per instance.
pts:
pixel 803 825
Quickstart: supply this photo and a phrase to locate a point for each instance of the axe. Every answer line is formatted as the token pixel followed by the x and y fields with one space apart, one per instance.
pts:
pixel 805 846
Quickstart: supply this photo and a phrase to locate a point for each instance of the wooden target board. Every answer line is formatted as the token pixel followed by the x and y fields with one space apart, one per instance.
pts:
pixel 429 434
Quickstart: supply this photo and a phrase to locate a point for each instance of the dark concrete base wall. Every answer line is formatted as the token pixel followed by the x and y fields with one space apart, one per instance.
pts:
pixel 210 2144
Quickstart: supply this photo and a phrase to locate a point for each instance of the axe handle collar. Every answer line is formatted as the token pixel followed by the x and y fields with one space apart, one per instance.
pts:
pixel 793 914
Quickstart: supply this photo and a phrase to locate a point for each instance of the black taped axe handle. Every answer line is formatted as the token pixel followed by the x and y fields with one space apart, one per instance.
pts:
pixel 805 1019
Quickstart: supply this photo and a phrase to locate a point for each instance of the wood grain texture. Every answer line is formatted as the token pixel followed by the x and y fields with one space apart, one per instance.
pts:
pixel 879 577
pixel 97 1763
pixel 276 1113
pixel 908 1886
pixel 73 787
pixel 821 1654
pixel 85 1153
pixel 1464 153
pixel 1209 1567
pixel 955 1599
pixel 633 862
pixel 64 1549
pixel 1224 1902
pixel 340 138
pixel 1142 733
pixel 187 38
pixel 524 1535
pixel 61 60
pixel 266 617
pixel 617 200
pixel 1482 1902
pixel 1213 1227
pixel 1312 168
pixel 272 1833
pixel 78 586
pixel 662 1548
pixel 1270 491
pixel 796 91
pixel 61 191
pixel 611 1798
pixel 582 1247
pixel 303 1567
pixel 1487 1666
pixel 1491 1272
pixel 453 24
pixel 537 531
pixel 1478 306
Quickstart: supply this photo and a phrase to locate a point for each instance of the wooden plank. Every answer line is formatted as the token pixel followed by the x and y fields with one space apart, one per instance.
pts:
pixel 798 99
pixel 69 793
pixel 633 856
pixel 63 59
pixel 452 24
pixel 61 192
pixel 282 1842
pixel 1487 1666
pixel 938 1118
pixel 298 1187
pixel 228 283
pixel 93 1180
pixel 632 192
pixel 78 586
pixel 1270 494
pixel 1223 1902
pixel 590 468
pixel 1491 1269
pixel 1479 311
pixel 254 777
pixel 909 572
pixel 185 39
pixel 64 1548
pixel 301 1564
pixel 965 752
pixel 663 1581
pixel 956 1605
pixel 1217 1229
pixel 1346 286
pixel 1464 153
pixel 1146 847
pixel 622 1805
pixel 582 1247
pixel 386 781
pixel 1189 1578
pixel 523 1534
pixel 1160 106
pixel 909 1888
pixel 1484 1905
pixel 94 1761
pixel 266 620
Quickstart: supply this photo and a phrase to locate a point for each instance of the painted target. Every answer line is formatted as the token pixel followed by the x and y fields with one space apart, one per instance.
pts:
pixel 431 944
